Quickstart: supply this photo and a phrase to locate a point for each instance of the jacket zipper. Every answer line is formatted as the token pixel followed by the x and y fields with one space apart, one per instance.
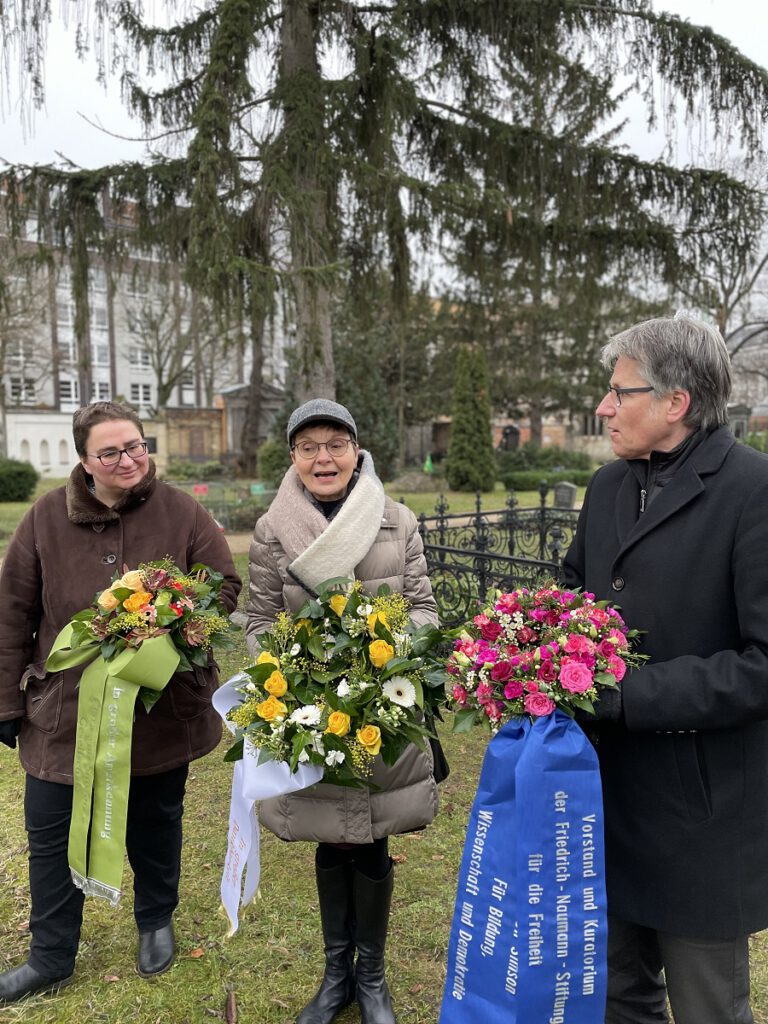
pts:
pixel 643 494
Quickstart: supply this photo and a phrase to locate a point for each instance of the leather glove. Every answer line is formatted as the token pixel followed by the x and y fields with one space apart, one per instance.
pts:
pixel 9 731
pixel 607 708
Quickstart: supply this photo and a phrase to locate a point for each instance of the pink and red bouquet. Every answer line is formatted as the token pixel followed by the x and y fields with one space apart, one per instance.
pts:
pixel 531 652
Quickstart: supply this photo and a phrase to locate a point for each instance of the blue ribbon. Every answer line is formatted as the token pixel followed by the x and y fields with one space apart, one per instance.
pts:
pixel 528 938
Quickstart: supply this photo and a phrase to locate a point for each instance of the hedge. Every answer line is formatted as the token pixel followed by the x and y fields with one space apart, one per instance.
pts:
pixel 17 480
pixel 529 479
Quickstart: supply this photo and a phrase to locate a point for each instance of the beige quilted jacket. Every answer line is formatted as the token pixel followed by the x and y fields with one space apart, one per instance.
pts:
pixel 375 540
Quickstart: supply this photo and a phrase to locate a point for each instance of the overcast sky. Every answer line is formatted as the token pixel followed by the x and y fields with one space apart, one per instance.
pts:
pixel 72 91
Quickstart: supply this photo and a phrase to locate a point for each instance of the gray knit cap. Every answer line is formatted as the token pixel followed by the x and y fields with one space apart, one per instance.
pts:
pixel 320 410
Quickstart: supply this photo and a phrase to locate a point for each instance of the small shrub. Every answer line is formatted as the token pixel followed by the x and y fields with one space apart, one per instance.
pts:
pixel 758 441
pixel 274 460
pixel 550 457
pixel 17 480
pixel 181 469
pixel 240 516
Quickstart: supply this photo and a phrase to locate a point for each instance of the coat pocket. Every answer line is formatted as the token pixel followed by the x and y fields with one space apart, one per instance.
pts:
pixel 42 700
pixel 694 777
pixel 190 693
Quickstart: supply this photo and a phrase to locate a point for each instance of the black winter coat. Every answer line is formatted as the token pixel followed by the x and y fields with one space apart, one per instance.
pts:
pixel 685 775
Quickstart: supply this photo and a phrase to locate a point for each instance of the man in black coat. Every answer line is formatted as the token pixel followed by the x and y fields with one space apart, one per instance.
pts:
pixel 676 533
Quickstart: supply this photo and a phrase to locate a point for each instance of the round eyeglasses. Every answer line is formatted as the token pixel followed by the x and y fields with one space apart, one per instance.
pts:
pixel 618 392
pixel 113 456
pixel 336 447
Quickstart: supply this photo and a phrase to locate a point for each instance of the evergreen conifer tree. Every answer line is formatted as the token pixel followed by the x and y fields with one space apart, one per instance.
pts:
pixel 470 463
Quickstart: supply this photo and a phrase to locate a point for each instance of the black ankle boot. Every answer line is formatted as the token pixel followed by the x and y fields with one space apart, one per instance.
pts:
pixel 372 900
pixel 22 981
pixel 337 990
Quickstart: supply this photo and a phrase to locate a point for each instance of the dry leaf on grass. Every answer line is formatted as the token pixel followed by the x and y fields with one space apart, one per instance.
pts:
pixel 197 953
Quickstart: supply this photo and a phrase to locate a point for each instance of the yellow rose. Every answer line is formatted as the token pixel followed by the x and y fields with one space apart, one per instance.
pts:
pixel 271 708
pixel 107 601
pixel 338 723
pixel 369 737
pixel 375 617
pixel 132 580
pixel 276 684
pixel 265 658
pixel 380 652
pixel 137 600
pixel 338 602
pixel 306 623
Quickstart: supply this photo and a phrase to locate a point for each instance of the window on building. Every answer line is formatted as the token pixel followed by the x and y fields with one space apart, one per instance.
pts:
pixel 101 391
pixel 141 394
pixel 65 314
pixel 69 391
pixel 22 391
pixel 99 320
pixel 98 279
pixel 45 453
pixel 137 284
pixel 63 453
pixel 101 355
pixel 139 357
pixel 591 425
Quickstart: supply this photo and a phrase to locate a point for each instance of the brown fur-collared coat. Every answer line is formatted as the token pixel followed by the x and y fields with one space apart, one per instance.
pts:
pixel 65 550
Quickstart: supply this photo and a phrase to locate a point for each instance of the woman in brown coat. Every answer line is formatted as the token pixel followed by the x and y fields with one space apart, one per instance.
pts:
pixel 113 512
pixel 331 518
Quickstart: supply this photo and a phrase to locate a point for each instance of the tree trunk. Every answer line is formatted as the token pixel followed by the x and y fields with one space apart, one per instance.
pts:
pixel 302 94
pixel 250 437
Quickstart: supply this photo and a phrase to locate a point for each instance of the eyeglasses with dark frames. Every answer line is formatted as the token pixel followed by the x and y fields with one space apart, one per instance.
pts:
pixel 619 392
pixel 336 447
pixel 113 456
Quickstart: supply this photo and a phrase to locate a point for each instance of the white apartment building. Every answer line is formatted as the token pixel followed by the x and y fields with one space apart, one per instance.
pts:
pixel 149 342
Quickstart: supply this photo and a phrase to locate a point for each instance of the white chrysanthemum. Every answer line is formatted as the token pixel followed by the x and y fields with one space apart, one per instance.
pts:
pixel 343 689
pixel 309 715
pixel 400 691
pixel 334 757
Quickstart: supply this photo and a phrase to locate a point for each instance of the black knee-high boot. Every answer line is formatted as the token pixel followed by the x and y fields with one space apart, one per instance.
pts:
pixel 337 990
pixel 372 900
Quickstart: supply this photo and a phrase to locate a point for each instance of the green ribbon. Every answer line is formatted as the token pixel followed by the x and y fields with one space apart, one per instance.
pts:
pixel 102 769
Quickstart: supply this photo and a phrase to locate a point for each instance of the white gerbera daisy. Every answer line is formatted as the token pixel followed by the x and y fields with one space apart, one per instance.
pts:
pixel 400 691
pixel 309 715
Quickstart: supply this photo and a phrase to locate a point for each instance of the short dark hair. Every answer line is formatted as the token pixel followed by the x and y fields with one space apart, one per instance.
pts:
pixel 99 412
pixel 680 352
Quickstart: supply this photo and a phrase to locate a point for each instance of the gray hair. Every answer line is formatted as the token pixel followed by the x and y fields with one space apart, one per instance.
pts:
pixel 680 353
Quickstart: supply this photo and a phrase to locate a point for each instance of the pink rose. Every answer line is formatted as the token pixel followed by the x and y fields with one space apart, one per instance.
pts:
pixel 606 649
pixel 513 689
pixel 501 671
pixel 484 692
pixel 617 667
pixel 525 634
pixel 508 604
pixel 579 644
pixel 575 677
pixel 531 686
pixel 539 705
pixel 460 695
pixel 494 710
pixel 490 631
pixel 547 672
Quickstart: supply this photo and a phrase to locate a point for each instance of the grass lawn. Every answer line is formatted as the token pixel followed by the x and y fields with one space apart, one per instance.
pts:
pixel 274 962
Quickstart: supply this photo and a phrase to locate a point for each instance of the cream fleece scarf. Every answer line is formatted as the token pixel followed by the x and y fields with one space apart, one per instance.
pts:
pixel 320 550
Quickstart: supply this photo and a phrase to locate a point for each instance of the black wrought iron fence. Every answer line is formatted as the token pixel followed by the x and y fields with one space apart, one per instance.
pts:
pixel 469 554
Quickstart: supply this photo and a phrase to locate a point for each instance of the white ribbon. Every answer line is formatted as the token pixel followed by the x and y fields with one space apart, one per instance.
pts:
pixel 250 782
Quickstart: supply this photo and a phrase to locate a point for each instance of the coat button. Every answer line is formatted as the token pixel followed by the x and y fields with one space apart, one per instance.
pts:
pixel 109 559
pixel 617 583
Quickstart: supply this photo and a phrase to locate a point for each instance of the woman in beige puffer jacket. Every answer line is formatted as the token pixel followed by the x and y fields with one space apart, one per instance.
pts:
pixel 331 518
